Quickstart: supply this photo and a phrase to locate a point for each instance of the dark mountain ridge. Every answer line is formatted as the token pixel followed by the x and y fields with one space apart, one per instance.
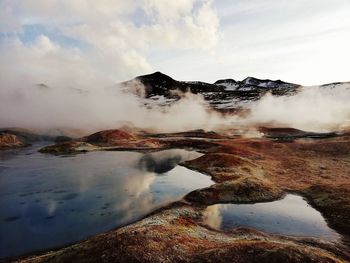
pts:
pixel 222 94
pixel 160 84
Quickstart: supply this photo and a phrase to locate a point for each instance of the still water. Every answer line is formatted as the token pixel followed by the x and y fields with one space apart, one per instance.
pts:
pixel 48 201
pixel 289 216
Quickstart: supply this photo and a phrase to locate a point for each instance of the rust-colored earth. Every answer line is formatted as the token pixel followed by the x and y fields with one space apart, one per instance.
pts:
pixel 9 141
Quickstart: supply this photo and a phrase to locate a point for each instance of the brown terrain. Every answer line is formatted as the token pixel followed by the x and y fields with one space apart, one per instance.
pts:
pixel 9 141
pixel 245 170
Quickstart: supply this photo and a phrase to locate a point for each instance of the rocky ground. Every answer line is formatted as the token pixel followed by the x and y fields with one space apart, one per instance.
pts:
pixel 10 141
pixel 245 170
pixel 12 138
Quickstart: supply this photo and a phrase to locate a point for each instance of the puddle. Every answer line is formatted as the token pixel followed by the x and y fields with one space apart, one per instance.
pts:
pixel 72 198
pixel 289 216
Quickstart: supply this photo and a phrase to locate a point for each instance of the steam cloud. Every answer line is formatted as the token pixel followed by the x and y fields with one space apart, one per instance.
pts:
pixel 316 108
pixel 44 107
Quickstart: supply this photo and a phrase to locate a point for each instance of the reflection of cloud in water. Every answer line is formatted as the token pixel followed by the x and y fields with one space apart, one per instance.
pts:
pixel 138 183
pixel 131 194
pixel 128 187
pixel 289 216
pixel 139 197
pixel 51 207
pixel 212 216
pixel 86 178
pixel 74 197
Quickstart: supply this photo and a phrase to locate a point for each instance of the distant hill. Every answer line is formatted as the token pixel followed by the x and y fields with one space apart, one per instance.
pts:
pixel 223 94
pixel 161 84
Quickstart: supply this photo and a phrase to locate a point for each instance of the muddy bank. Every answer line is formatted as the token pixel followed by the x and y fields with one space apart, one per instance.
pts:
pixel 10 141
pixel 11 138
pixel 113 140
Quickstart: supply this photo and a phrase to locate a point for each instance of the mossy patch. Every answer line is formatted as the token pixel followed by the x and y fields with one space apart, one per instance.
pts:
pixel 243 190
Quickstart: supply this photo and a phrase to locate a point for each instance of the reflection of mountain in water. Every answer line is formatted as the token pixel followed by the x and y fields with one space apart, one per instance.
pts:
pixel 164 161
pixel 150 164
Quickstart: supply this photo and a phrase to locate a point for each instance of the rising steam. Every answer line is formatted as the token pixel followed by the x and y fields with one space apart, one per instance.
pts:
pixel 321 108
pixel 316 108
pixel 42 107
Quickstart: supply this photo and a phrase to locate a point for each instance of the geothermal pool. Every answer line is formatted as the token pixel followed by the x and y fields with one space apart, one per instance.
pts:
pixel 291 215
pixel 48 201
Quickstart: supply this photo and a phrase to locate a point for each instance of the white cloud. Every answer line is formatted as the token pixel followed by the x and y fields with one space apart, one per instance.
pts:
pixel 121 34
pixel 8 21
pixel 22 66
pixel 168 11
pixel 297 41
pixel 68 11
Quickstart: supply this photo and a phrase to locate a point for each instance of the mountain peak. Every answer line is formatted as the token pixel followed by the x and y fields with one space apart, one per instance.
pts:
pixel 266 83
pixel 220 81
pixel 157 81
pixel 253 81
pixel 155 76
pixel 160 84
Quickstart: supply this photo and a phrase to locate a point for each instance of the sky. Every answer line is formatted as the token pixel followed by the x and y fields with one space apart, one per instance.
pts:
pixel 92 43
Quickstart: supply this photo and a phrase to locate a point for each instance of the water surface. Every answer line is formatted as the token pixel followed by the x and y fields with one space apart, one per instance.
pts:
pixel 48 201
pixel 289 216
